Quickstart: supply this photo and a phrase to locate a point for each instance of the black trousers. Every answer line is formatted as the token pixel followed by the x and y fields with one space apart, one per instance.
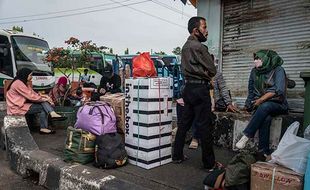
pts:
pixel 197 107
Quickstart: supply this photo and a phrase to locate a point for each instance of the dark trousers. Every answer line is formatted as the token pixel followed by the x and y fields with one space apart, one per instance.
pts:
pixel 197 107
pixel 261 120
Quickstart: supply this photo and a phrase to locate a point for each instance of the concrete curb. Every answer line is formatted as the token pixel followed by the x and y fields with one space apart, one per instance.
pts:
pixel 27 160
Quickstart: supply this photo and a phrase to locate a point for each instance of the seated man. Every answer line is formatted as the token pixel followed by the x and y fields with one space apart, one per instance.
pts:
pixel 110 82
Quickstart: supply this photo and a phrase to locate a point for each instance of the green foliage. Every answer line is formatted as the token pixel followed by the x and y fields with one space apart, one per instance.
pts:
pixel 126 51
pixel 76 54
pixel 18 28
pixel 160 53
pixel 177 51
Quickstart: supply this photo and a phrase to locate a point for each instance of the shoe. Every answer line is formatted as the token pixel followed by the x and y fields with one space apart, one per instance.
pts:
pixel 179 161
pixel 47 131
pixel 217 166
pixel 242 142
pixel 194 144
pixel 62 118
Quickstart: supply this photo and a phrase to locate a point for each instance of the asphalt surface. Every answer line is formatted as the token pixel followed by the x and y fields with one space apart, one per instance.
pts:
pixel 188 175
pixel 9 180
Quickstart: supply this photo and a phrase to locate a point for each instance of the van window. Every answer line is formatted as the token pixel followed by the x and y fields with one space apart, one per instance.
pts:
pixel 6 65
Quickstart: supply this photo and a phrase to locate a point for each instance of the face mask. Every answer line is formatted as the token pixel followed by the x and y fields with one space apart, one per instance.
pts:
pixel 201 37
pixel 258 63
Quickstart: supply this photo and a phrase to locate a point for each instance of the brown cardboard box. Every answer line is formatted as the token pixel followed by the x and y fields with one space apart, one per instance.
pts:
pixel 117 101
pixel 284 178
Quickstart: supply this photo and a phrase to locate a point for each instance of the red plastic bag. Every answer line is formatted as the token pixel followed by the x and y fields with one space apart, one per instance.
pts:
pixel 143 66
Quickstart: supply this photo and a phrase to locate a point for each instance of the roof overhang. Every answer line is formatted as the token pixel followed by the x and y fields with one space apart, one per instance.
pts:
pixel 193 2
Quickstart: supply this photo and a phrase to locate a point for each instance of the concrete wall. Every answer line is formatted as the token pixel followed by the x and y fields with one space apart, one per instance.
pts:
pixel 212 11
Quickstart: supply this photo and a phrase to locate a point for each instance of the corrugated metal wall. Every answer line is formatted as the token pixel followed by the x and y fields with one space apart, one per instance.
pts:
pixel 250 25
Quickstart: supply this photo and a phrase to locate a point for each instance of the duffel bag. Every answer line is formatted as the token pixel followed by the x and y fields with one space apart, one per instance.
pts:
pixel 97 118
pixel 80 146
pixel 110 151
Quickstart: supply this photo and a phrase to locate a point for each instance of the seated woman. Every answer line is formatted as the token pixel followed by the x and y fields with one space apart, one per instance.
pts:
pixel 22 100
pixel 266 96
pixel 57 94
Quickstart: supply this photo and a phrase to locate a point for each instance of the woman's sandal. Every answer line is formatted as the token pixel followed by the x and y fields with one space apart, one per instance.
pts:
pixel 47 131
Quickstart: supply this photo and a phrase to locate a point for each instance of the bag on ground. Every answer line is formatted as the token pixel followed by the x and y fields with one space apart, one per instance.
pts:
pixel 292 150
pixel 80 146
pixel 110 151
pixel 97 118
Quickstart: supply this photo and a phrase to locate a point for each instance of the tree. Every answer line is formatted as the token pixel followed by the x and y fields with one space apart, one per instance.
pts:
pixel 111 50
pixel 177 51
pixel 18 28
pixel 160 53
pixel 126 51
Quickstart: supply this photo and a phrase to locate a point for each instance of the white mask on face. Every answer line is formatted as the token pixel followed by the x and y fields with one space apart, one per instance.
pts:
pixel 258 63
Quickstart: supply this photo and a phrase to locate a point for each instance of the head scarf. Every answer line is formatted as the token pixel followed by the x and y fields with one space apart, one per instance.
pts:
pixel 62 80
pixel 21 75
pixel 270 60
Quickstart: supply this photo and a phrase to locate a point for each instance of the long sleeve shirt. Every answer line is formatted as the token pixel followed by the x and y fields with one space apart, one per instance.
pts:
pixel 275 83
pixel 112 84
pixel 221 91
pixel 18 97
pixel 196 62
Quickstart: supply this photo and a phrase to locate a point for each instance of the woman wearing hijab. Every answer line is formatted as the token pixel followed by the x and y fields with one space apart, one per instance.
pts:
pixel 23 100
pixel 58 92
pixel 266 96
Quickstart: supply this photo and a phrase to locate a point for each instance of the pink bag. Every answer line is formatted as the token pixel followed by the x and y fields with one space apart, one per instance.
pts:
pixel 97 118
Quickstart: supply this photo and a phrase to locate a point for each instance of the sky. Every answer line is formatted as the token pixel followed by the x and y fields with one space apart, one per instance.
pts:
pixel 140 25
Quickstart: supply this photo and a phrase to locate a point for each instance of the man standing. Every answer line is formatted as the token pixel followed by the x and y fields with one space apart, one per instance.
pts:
pixel 198 69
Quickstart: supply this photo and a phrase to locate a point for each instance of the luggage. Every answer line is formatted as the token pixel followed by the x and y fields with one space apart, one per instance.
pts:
pixel 80 146
pixel 110 151
pixel 97 118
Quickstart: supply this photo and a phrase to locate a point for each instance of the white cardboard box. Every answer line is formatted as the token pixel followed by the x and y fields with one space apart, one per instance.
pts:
pixel 148 121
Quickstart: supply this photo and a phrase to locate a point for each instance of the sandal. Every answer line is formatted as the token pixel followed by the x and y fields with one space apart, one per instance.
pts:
pixel 194 144
pixel 62 118
pixel 179 161
pixel 47 131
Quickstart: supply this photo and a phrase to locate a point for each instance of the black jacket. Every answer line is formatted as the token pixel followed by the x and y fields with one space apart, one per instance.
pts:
pixel 112 84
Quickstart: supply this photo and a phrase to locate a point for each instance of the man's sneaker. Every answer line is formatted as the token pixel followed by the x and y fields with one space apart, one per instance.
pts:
pixel 242 142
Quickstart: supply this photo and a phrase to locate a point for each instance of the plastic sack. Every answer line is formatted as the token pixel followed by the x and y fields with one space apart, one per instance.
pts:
pixel 292 150
pixel 143 66
pixel 307 133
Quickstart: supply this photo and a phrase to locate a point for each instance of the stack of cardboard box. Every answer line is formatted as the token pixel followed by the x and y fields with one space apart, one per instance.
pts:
pixel 148 121
pixel 117 101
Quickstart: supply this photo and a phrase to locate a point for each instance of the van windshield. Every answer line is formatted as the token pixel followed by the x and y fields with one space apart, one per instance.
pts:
pixel 28 49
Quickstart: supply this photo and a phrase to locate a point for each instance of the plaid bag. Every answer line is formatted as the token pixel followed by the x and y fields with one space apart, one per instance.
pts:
pixel 80 146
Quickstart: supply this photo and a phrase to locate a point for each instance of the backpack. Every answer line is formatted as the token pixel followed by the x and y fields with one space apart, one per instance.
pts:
pixel 97 118
pixel 80 146
pixel 110 151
